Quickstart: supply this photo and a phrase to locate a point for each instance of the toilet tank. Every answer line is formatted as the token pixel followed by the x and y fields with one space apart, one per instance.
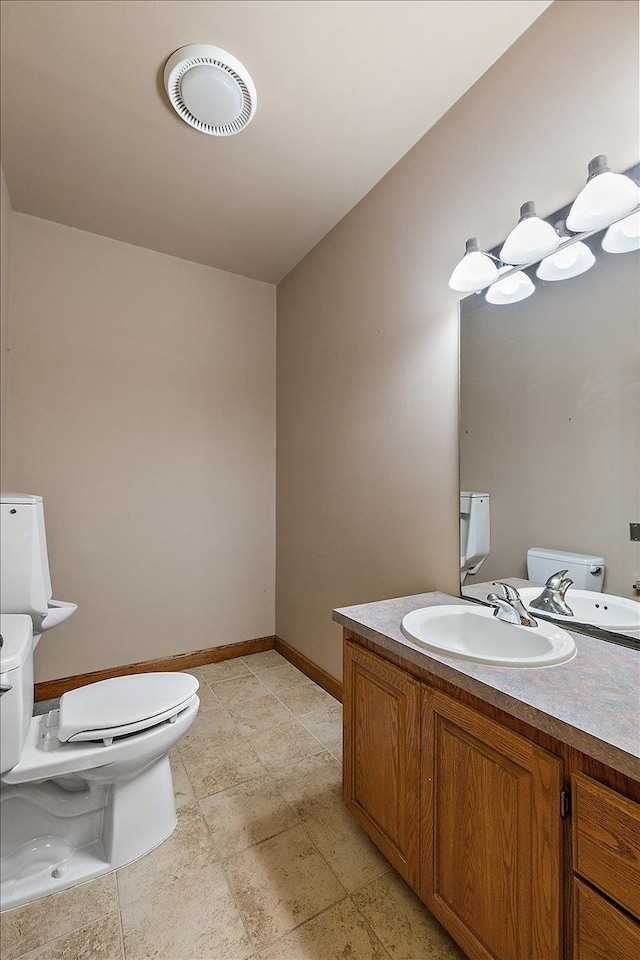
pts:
pixel 16 702
pixel 586 571
pixel 25 581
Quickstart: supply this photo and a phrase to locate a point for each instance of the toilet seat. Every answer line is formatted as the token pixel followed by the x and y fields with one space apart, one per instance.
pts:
pixel 122 705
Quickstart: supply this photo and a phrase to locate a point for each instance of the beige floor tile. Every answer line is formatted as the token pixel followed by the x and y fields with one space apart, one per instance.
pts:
pixel 100 940
pixel 403 924
pixel 223 762
pixel 205 729
pixel 350 853
pixel 35 924
pixel 304 698
pixel 181 784
pixel 251 716
pixel 233 692
pixel 208 699
pixel 246 814
pixel 192 918
pixel 340 933
pixel 190 847
pixel 281 678
pixel 225 670
pixel 280 883
pixel 310 785
pixel 326 725
pixel 265 660
pixel 284 743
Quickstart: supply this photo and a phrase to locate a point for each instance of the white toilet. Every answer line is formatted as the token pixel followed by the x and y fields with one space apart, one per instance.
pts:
pixel 586 571
pixel 475 531
pixel 86 788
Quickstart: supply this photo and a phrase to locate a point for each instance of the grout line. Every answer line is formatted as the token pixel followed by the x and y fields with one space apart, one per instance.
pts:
pixel 369 924
pixel 298 926
pixel 120 915
pixel 247 930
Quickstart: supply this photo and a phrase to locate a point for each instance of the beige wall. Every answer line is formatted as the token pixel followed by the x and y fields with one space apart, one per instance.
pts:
pixel 367 503
pixel 5 240
pixel 141 407
pixel 550 419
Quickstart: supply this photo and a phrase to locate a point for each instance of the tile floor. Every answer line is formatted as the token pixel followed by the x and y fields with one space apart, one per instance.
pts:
pixel 265 863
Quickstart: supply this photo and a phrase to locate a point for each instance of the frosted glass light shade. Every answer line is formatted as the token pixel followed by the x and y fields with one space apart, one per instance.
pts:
pixel 564 263
pixel 606 197
pixel 530 240
pixel 624 236
pixel 475 271
pixel 510 290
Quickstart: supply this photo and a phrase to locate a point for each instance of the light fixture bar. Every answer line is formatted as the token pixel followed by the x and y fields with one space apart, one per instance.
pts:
pixel 576 238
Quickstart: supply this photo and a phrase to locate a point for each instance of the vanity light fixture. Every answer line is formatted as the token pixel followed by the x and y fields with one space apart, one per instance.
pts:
pixel 531 239
pixel 624 236
pixel 475 271
pixel 517 286
pixel 570 259
pixel 606 197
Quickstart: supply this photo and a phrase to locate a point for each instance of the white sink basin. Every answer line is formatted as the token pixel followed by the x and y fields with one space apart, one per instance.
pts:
pixel 473 633
pixel 599 609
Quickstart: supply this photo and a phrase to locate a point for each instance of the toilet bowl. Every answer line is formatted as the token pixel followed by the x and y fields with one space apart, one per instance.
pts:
pixel 87 787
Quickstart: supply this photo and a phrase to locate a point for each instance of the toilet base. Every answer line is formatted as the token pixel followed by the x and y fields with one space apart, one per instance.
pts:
pixel 57 834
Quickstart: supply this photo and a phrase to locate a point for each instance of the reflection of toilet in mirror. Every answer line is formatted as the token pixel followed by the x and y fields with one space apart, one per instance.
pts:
pixel 475 531
pixel 586 571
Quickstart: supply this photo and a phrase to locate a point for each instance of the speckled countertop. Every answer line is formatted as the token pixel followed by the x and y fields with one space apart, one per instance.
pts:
pixel 591 703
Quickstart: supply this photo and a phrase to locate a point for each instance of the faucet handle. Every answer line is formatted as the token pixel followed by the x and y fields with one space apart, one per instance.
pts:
pixel 508 591
pixel 564 586
pixel 555 580
pixel 502 609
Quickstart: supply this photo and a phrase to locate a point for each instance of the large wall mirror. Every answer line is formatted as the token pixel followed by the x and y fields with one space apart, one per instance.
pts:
pixel 550 421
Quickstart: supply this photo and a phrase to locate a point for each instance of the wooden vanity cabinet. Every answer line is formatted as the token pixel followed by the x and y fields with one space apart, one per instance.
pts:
pixel 492 834
pixel 472 808
pixel 381 756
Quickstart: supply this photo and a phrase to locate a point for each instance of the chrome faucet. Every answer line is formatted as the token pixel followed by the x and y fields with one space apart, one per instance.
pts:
pixel 509 607
pixel 552 599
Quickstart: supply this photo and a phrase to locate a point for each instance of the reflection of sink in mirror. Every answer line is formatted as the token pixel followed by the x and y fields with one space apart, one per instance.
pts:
pixel 598 609
pixel 473 633
pixel 549 422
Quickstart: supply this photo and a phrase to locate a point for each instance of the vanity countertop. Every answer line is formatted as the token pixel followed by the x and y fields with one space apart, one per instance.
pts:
pixel 591 703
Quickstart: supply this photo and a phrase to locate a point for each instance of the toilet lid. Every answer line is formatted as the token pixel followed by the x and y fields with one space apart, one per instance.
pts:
pixel 122 705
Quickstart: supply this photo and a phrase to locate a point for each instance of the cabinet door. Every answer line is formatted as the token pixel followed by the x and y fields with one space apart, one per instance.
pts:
pixel 381 755
pixel 492 855
pixel 602 931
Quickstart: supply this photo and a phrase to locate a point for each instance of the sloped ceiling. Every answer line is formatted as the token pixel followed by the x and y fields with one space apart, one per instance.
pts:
pixel 345 88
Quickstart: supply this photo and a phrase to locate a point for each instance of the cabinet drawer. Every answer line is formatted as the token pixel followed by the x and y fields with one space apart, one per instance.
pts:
pixel 606 841
pixel 601 930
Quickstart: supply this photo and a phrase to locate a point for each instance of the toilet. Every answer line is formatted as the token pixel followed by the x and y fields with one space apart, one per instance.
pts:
pixel 586 571
pixel 475 531
pixel 86 788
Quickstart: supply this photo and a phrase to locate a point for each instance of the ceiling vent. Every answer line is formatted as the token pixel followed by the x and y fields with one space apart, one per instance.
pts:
pixel 211 90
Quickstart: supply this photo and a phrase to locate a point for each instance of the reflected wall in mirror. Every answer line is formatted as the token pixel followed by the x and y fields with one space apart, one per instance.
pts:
pixel 550 420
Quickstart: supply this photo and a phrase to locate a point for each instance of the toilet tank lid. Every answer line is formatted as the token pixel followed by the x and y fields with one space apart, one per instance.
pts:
pixel 17 635
pixel 564 556
pixel 21 498
pixel 473 493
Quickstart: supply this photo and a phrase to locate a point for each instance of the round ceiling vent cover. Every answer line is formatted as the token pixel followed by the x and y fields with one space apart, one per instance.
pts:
pixel 211 90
